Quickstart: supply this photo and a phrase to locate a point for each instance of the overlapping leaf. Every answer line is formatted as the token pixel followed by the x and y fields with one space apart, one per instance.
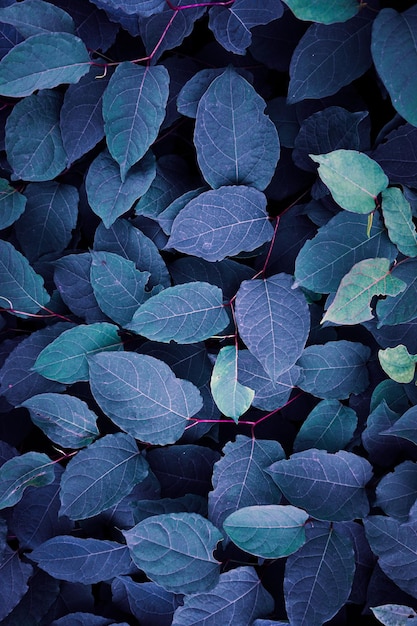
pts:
pixel 399 220
pixel 12 204
pixel 232 398
pixel 15 575
pixel 146 601
pixel 329 426
pixel 397 491
pixel 34 17
pixel 398 363
pixel 323 11
pixel 401 308
pixel 29 469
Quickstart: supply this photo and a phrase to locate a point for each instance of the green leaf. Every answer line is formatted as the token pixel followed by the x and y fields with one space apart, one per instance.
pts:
pixel 133 109
pixel 32 469
pixel 328 486
pixel 232 398
pixel 353 178
pixel 33 137
pixel 399 221
pixel 329 426
pixel 324 11
pixel 366 279
pixel 398 363
pixel 100 476
pixel 176 551
pixel 12 204
pixel 21 288
pixel 141 395
pixel 185 313
pixel 66 420
pixel 42 62
pixel 65 359
pixel 269 531
pixel 395 615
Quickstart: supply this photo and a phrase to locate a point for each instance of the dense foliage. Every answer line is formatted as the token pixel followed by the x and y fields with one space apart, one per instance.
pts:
pixel 208 282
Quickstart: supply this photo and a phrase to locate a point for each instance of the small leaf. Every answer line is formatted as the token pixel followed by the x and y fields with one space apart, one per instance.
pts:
pixel 334 370
pixel 328 486
pixel 395 615
pixel 329 426
pixel 366 279
pixel 21 288
pixel 236 142
pixel 271 531
pixel 42 62
pixel 185 313
pixel 232 398
pixel 397 491
pixel 399 221
pixel 398 363
pixel 353 178
pixel 86 561
pixel 176 551
pixel 65 359
pixel 273 321
pixel 134 88
pixel 323 11
pixel 142 396
pixel 66 420
pixel 100 476
pixel 29 469
pixel 222 223
pixel 12 204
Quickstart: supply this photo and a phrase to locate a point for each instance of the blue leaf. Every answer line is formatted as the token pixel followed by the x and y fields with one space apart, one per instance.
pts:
pixel 397 491
pixel 400 309
pixel 33 138
pixel 318 578
pixel 51 212
pixel 185 313
pixel 85 561
pixel 166 218
pixel 146 601
pixel 124 239
pixel 335 369
pixel 14 576
pixel 274 322
pixel 236 142
pixel 231 24
pixel 31 468
pixel 176 551
pixel 189 361
pixel 194 89
pixel 381 447
pixel 92 25
pixel 10 37
pixel 238 597
pixel 12 204
pixel 329 426
pixel 405 426
pixel 142 396
pixel 34 17
pixel 22 289
pixel 133 88
pixel 83 619
pixel 190 503
pixel 330 56
pixel 397 155
pixel 41 594
pixel 81 118
pixel 65 419
pixel 99 477
pixel 108 195
pixel 328 486
pixel 222 223
pixel 143 8
pixel 42 62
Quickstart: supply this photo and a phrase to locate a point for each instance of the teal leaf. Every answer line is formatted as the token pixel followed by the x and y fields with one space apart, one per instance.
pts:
pixel 65 359
pixel 393 63
pixel 366 279
pixel 398 363
pixel 31 469
pixel 51 212
pixel 404 427
pixel 354 179
pixel 339 244
pixel 33 137
pixel 100 476
pixel 271 531
pixel 118 286
pixel 21 288
pixel 397 491
pixel 401 308
pixel 108 195
pixel 323 11
pixel 334 370
pixel 328 486
pixel 318 578
pixel 236 142
pixel 66 420
pixel 395 615
pixel 232 398
pixel 133 110
pixel 85 561
pixel 41 62
pixel 185 313
pixel 399 221
pixel 141 395
pixel 34 17
pixel 176 551
pixel 395 546
pixel 222 223
pixel 274 322
pixel 166 218
pixel 238 597
pixel 240 478
pixel 329 426
pixel 12 204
